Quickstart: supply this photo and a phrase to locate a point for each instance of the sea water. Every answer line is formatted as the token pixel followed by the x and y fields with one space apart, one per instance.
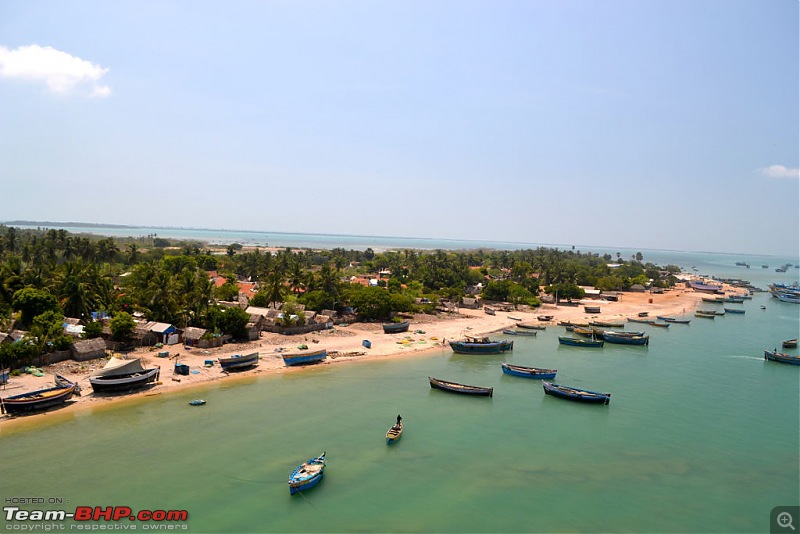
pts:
pixel 701 435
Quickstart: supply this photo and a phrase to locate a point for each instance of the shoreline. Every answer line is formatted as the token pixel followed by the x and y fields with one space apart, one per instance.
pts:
pixel 426 335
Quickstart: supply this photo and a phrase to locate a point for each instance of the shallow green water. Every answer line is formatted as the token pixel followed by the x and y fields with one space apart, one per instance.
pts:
pixel 701 435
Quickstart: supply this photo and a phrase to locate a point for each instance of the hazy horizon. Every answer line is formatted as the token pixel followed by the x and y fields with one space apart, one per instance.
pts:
pixel 667 125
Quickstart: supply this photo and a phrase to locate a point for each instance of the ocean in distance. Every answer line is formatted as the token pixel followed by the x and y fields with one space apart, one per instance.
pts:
pixel 701 435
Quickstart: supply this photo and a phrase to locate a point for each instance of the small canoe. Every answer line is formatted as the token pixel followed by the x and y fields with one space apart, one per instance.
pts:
pixel 197 402
pixel 580 342
pixel 455 387
pixel 789 344
pixel 581 395
pixel 662 325
pixel 528 372
pixel 307 475
pixel 734 310
pixel 395 432
pixel 545 317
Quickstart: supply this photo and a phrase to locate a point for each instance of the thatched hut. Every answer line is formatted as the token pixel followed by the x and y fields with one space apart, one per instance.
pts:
pixel 89 349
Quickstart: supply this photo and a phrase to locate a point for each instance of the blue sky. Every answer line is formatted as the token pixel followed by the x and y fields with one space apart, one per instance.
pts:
pixel 649 124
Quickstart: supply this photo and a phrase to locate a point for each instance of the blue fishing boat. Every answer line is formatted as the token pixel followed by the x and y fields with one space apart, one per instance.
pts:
pixel 580 342
pixel 238 361
pixel 40 399
pixel 528 372
pixel 305 358
pixel 473 345
pixel 307 475
pixel 581 395
pixel 626 338
pixel 782 357
pixel 734 310
pixel 673 320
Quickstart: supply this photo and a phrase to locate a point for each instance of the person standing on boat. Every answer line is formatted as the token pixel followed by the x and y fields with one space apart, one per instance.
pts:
pixel 397 425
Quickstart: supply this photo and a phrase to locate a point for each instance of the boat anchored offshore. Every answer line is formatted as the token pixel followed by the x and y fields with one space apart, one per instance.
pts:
pixel 581 395
pixel 307 475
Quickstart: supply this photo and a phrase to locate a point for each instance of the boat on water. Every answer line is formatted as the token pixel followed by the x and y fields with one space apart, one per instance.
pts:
pixel 238 361
pixel 713 300
pixel 660 325
pixel 704 314
pixel 580 342
pixel 626 338
pixel 474 345
pixel 528 372
pixel 644 321
pixel 530 326
pixel 608 324
pixel 307 475
pixel 197 402
pixel 734 310
pixel 40 399
pixel 395 328
pixel 782 357
pixel 455 387
pixel 789 344
pixel 305 358
pixel 395 432
pixel 588 332
pixel 123 375
pixel 521 332
pixel 576 394
pixel 673 320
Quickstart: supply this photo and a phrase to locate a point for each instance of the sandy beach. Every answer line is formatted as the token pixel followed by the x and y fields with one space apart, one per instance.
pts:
pixel 344 343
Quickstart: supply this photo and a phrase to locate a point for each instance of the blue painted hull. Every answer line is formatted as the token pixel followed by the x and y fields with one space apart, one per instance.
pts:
pixel 238 361
pixel 305 359
pixel 529 372
pixel 781 357
pixel 307 475
pixel 575 394
pixel 626 340
pixel 580 342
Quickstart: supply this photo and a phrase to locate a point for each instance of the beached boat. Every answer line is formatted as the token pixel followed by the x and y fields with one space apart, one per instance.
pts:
pixel 395 328
pixel 305 358
pixel 782 357
pixel 521 332
pixel 707 288
pixel 581 395
pixel 626 338
pixel 473 345
pixel 580 342
pixel 238 361
pixel 645 321
pixel 544 317
pixel 455 387
pixel 530 326
pixel 734 310
pixel 40 399
pixel 591 309
pixel 488 311
pixel 395 432
pixel 704 314
pixel 789 344
pixel 734 300
pixel 713 300
pixel 528 372
pixel 123 375
pixel 307 475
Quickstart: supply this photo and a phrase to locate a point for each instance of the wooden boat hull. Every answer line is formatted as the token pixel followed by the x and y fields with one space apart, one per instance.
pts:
pixel 673 320
pixel 492 347
pixel 734 310
pixel 789 344
pixel 607 324
pixel 41 399
pixel 580 342
pixel 126 382
pixel 575 394
pixel 395 328
pixel 239 361
pixel 781 357
pixel 621 339
pixel 528 372
pixel 307 475
pixel 529 326
pixel 305 359
pixel 464 389
pixel 521 332
pixel 394 433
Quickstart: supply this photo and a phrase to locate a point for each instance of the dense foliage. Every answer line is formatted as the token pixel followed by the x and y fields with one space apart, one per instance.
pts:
pixel 48 274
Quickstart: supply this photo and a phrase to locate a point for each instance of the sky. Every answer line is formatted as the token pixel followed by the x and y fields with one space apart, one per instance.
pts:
pixel 658 124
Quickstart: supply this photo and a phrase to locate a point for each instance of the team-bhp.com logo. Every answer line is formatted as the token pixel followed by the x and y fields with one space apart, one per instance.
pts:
pixel 83 514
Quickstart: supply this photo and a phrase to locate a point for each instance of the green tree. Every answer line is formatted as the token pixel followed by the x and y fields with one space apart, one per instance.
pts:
pixel 370 302
pixel 32 302
pixel 92 329
pixel 122 326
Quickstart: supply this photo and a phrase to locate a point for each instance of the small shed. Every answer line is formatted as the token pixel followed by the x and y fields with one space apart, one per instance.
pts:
pixel 192 335
pixel 637 288
pixel 88 349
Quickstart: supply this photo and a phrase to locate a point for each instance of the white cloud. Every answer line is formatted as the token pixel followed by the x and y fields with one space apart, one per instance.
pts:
pixel 61 72
pixel 779 171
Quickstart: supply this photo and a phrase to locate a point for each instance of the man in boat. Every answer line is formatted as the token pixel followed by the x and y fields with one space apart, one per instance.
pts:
pixel 397 425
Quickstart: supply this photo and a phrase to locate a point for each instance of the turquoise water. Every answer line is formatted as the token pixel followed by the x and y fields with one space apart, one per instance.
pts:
pixel 701 435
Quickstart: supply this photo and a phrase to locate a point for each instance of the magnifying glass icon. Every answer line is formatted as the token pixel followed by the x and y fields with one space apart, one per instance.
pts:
pixel 784 520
